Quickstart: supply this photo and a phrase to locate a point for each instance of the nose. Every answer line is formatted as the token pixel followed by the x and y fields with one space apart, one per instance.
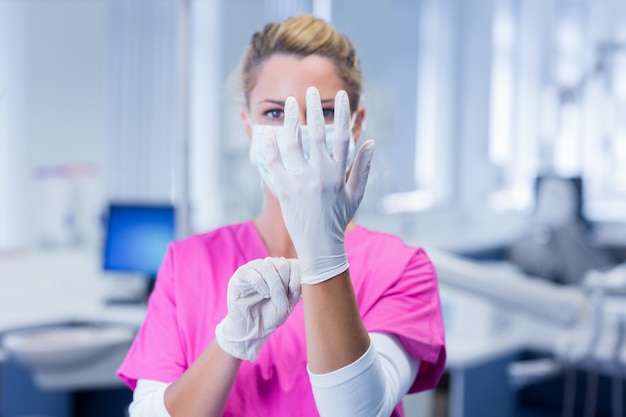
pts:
pixel 302 117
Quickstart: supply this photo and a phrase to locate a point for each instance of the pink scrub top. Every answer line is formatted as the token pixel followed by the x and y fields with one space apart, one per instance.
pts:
pixel 395 287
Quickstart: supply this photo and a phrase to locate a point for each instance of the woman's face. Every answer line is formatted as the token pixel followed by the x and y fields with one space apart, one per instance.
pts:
pixel 286 75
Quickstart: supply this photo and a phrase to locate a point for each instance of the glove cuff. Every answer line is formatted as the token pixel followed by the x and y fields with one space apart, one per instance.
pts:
pixel 324 269
pixel 247 350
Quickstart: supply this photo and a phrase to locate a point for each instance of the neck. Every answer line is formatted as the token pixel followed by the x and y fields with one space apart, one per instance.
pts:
pixel 272 229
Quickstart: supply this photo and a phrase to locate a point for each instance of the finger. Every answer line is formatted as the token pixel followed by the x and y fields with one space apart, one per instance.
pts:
pixel 289 271
pixel 295 286
pixel 342 128
pixel 271 153
pixel 294 136
pixel 278 291
pixel 355 185
pixel 247 281
pixel 316 125
pixel 283 268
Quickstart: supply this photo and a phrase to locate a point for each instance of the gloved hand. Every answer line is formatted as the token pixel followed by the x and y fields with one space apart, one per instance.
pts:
pixel 316 201
pixel 261 295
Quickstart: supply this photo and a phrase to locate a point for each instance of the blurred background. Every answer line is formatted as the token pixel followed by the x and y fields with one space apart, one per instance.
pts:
pixel 501 147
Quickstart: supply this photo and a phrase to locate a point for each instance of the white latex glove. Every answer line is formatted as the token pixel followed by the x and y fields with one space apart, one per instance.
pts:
pixel 316 201
pixel 261 295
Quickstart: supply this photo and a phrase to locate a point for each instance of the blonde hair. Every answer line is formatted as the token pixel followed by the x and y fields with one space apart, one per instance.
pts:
pixel 302 36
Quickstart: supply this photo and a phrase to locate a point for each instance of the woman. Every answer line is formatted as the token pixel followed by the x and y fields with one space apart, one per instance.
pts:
pixel 236 326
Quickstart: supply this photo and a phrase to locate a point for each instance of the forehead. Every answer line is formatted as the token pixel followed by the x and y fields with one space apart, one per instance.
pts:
pixel 282 76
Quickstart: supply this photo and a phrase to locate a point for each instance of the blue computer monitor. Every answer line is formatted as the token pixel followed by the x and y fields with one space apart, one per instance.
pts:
pixel 137 236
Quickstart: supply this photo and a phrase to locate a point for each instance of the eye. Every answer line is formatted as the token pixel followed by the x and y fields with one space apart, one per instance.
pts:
pixel 329 113
pixel 276 114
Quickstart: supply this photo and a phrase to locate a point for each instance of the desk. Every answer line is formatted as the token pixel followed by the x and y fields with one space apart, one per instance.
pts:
pixel 56 286
pixel 480 342
pixel 50 287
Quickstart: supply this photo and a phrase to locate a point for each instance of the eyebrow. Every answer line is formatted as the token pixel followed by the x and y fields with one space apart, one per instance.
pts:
pixel 270 101
pixel 282 102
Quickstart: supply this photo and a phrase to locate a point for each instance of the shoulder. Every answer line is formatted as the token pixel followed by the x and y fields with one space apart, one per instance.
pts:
pixel 222 237
pixel 227 246
pixel 362 240
pixel 386 256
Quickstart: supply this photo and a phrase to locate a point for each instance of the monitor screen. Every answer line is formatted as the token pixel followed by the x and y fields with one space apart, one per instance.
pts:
pixel 137 237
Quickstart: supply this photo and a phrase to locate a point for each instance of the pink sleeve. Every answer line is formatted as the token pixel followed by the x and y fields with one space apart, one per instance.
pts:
pixel 155 354
pixel 410 308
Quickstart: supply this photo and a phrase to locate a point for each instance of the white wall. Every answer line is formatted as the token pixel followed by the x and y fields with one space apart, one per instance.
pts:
pixel 11 124
pixel 65 104
pixel 52 120
pixel 56 70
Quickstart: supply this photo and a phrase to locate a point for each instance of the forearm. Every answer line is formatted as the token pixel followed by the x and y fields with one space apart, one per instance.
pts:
pixel 261 294
pixel 370 387
pixel 335 334
pixel 204 388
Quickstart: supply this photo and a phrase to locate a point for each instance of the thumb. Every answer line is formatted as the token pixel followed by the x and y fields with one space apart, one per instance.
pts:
pixel 360 171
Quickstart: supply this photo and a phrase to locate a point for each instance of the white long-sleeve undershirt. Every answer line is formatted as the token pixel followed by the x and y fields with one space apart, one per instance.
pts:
pixel 369 387
pixel 149 399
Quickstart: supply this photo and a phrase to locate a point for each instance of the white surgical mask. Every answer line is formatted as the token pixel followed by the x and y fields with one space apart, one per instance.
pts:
pixel 257 156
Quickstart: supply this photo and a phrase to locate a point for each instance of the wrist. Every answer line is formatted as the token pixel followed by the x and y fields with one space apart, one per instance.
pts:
pixel 323 268
pixel 241 347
